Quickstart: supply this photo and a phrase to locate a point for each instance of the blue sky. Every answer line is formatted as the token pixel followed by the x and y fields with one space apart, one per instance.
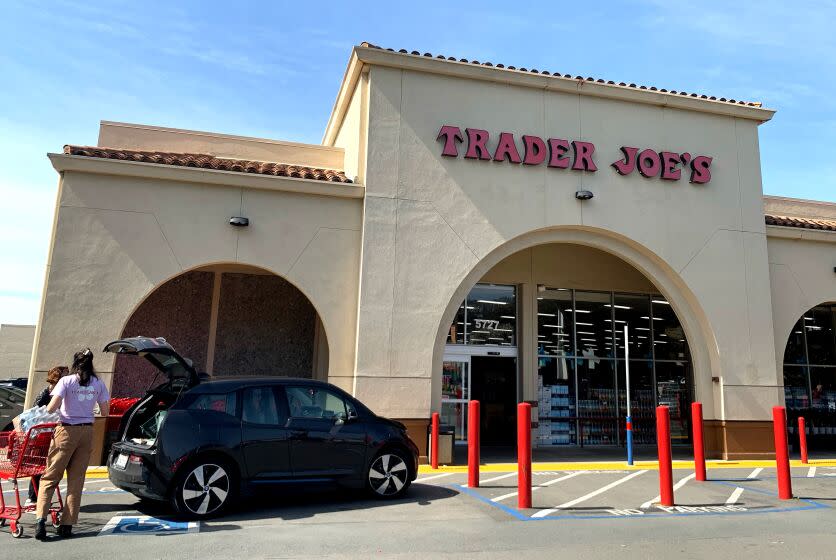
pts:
pixel 272 69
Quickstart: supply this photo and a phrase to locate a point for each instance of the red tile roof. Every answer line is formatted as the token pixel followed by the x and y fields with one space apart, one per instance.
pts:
pixel 204 161
pixel 569 76
pixel 806 223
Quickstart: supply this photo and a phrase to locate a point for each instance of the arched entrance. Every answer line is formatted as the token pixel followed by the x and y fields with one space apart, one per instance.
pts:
pixel 229 320
pixel 809 365
pixel 550 308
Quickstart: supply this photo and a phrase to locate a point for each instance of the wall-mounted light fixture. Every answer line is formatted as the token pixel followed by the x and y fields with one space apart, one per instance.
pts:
pixel 583 195
pixel 238 221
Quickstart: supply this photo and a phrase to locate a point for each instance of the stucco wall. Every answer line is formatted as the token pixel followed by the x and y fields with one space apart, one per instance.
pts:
pixel 430 220
pixel 801 275
pixel 15 349
pixel 117 238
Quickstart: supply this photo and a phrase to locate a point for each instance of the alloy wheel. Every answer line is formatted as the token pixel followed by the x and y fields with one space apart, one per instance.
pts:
pixel 205 489
pixel 388 474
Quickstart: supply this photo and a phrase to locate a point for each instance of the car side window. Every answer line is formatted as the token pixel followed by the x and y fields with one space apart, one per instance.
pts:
pixel 259 406
pixel 218 402
pixel 313 402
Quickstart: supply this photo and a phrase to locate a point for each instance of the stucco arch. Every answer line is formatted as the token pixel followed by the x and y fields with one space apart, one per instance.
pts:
pixel 319 334
pixel 701 339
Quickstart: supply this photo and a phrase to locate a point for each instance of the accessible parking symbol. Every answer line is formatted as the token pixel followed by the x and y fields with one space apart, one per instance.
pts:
pixel 147 525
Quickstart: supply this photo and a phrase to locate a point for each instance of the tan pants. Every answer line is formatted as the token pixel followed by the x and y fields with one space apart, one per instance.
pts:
pixel 69 451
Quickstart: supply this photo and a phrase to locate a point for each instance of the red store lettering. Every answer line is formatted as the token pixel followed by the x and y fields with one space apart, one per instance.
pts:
pixel 576 155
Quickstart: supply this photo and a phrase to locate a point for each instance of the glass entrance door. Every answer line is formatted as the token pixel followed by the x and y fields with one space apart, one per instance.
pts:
pixel 455 392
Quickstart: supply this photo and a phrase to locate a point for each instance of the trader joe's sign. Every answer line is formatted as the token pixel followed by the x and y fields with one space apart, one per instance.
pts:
pixel 560 153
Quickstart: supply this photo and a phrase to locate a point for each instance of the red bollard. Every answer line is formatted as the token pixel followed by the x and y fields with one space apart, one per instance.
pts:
pixel 434 441
pixel 523 455
pixel 473 444
pixel 802 439
pixel 699 446
pixel 782 456
pixel 663 444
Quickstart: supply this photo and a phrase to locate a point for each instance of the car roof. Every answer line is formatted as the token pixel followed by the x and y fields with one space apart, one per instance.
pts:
pixel 231 383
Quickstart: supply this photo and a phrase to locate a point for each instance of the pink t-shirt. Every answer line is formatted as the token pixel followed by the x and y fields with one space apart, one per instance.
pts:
pixel 77 401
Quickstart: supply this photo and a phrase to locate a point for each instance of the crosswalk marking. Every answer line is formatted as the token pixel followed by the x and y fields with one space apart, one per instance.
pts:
pixel 611 485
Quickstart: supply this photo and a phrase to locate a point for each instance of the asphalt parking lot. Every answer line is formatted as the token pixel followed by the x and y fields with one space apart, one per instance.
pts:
pixel 593 513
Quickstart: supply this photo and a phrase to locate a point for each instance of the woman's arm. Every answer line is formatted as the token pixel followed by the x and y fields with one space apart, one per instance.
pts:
pixel 54 404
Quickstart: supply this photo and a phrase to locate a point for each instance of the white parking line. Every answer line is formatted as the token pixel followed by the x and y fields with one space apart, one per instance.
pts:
pixel 676 487
pixel 435 476
pixel 755 473
pixel 611 485
pixel 500 477
pixel 734 496
pixel 811 473
pixel 544 485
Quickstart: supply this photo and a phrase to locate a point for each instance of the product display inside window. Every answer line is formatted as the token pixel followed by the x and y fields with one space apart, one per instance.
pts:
pixel 673 389
pixel 557 423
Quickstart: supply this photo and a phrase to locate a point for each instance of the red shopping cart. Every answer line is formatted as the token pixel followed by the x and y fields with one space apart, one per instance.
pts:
pixel 23 455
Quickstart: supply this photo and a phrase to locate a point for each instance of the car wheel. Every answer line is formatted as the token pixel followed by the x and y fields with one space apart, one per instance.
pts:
pixel 204 489
pixel 388 475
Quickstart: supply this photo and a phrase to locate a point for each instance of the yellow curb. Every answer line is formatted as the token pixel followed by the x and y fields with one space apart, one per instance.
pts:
pixel 619 466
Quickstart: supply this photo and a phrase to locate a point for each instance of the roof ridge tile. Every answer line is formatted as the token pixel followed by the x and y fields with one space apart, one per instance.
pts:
pixel 558 75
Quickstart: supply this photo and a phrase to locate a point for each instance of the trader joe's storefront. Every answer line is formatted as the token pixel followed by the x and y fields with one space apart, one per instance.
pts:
pixel 579 356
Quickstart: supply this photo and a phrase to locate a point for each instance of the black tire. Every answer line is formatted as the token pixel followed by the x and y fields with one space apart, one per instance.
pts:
pixel 205 488
pixel 388 475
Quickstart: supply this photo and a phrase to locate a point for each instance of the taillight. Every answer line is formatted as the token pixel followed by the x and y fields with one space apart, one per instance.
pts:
pixel 135 459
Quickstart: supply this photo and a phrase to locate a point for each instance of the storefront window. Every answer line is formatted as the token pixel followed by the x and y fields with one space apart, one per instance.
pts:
pixel 810 375
pixel 556 402
pixel 633 311
pixel 796 391
pixel 457 328
pixel 821 346
pixel 593 324
pixel 823 388
pixel 668 336
pixel 555 323
pixel 486 317
pixel 642 403
pixel 796 352
pixel 673 390
pixel 597 411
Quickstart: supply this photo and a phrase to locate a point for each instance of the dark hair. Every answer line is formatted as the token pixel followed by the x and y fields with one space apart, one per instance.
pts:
pixel 56 373
pixel 83 366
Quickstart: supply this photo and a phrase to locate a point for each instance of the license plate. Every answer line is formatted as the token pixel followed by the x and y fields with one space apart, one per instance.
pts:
pixel 121 461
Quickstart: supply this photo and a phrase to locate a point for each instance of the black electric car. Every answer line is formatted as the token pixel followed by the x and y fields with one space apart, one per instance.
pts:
pixel 200 442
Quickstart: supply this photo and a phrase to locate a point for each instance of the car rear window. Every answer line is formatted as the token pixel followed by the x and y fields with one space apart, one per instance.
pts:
pixel 217 402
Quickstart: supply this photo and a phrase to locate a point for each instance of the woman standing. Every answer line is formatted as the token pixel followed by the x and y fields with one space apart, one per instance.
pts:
pixel 43 399
pixel 73 397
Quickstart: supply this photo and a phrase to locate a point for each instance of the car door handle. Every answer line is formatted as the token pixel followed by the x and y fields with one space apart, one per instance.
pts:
pixel 297 434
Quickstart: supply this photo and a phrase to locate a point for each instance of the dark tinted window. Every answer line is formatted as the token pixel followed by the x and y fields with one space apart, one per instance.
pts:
pixel 259 406
pixel 315 402
pixel 224 402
